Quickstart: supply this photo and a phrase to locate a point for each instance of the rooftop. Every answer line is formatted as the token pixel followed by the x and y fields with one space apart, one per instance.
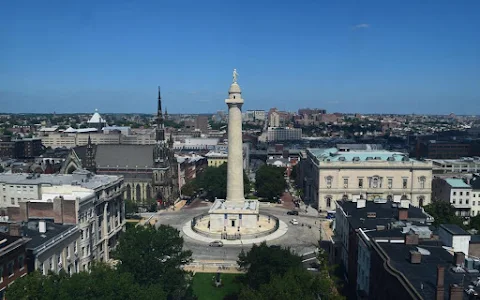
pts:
pixel 89 181
pixel 457 183
pixel 334 154
pixel 423 276
pixel 385 213
pixel 9 243
pixel 454 229
pixel 53 233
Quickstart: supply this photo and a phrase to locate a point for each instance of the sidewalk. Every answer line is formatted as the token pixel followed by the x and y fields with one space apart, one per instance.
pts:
pixel 213 266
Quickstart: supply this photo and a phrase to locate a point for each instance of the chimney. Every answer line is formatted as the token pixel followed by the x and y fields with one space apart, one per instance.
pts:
pixel 456 292
pixel 42 226
pixel 14 229
pixel 411 239
pixel 415 257
pixel 361 203
pixel 440 292
pixel 402 214
pixel 459 259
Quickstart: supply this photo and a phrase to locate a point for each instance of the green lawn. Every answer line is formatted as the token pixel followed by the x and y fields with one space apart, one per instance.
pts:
pixel 204 289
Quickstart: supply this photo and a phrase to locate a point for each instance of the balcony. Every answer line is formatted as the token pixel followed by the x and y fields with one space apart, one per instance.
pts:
pixel 461 206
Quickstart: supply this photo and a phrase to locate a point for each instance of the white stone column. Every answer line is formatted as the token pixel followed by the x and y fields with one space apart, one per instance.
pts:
pixel 235 155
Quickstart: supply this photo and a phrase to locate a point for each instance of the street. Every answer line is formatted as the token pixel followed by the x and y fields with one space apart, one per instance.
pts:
pixel 301 238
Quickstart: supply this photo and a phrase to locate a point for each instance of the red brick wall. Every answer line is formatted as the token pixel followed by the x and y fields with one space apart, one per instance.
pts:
pixel 69 212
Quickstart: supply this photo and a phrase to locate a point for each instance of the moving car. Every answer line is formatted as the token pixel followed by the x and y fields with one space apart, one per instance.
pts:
pixel 216 244
pixel 294 222
pixel 292 213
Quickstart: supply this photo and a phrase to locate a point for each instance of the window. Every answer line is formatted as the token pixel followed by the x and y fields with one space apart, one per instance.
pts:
pixel 51 264
pixel 345 182
pixel 454 201
pixel 329 181
pixel 468 193
pixel 12 200
pixel 68 251
pixel 473 203
pixel 405 183
pixel 375 182
pixel 329 202
pixel 360 182
pixel 461 193
pixel 454 193
pixel 390 183
pixel 10 269
pixel 21 262
pixel 466 201
pixel 422 182
pixel 460 201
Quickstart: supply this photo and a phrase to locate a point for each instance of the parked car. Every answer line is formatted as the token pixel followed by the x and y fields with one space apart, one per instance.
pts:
pixel 216 244
pixel 292 212
pixel 294 222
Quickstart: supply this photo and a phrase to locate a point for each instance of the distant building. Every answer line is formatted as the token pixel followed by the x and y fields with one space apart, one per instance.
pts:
pixel 433 149
pixel 274 119
pixel 276 134
pixel 333 174
pixel 216 159
pixel 458 193
pixel 464 165
pixel 20 148
pixel 96 121
pixel 201 123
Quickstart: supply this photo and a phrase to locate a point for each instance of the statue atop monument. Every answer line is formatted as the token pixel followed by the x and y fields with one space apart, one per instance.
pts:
pixel 235 75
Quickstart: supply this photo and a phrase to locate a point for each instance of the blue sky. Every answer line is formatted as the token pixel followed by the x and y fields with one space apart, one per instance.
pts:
pixel 345 56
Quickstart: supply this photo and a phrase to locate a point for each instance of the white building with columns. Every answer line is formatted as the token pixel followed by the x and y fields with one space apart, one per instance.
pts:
pixel 335 174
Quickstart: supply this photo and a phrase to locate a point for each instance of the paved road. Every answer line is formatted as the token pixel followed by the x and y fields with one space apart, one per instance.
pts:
pixel 300 239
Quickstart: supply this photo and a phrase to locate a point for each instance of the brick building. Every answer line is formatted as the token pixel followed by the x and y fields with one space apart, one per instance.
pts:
pixel 13 264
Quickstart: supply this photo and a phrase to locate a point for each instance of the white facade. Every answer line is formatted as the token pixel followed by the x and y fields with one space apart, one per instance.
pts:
pixel 283 134
pixel 460 242
pixel 274 119
pixel 457 193
pixel 330 175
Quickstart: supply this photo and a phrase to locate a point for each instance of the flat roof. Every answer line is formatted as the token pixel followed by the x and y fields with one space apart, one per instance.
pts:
pixel 423 276
pixel 384 213
pixel 334 154
pixel 457 183
pixel 94 181
pixel 30 229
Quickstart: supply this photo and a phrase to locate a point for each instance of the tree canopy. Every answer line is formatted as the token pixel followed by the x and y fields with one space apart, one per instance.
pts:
pixel 213 181
pixel 102 282
pixel 154 256
pixel 270 181
pixel 277 273
pixel 443 212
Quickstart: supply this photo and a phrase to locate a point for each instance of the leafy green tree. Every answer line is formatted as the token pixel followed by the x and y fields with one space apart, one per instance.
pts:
pixel 84 285
pixel 130 207
pixel 443 212
pixel 189 188
pixel 475 222
pixel 214 181
pixel 270 181
pixel 262 262
pixel 155 256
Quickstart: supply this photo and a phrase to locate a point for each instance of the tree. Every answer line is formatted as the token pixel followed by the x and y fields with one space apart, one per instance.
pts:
pixel 214 181
pixel 270 181
pixel 475 222
pixel 130 207
pixel 155 256
pixel 83 285
pixel 189 188
pixel 262 262
pixel 443 212
pixel 277 273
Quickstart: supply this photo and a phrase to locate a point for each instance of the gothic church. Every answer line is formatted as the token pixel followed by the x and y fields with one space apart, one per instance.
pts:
pixel 150 171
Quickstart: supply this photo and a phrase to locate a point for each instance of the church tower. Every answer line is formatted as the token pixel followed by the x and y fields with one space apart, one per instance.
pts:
pixel 165 183
pixel 90 157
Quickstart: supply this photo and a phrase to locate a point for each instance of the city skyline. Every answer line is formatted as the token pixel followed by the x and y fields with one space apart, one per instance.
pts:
pixel 372 57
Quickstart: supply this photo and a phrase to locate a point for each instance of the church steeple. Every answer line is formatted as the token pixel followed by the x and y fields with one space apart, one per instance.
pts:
pixel 160 132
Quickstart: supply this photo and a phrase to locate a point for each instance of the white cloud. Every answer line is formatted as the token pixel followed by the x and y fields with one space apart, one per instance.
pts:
pixel 361 26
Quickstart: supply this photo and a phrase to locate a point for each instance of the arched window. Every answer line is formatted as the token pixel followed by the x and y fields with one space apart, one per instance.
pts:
pixel 345 197
pixel 329 180
pixel 421 201
pixel 149 192
pixel 375 182
pixel 389 197
pixel 138 193
pixel 129 192
pixel 329 201
pixel 404 197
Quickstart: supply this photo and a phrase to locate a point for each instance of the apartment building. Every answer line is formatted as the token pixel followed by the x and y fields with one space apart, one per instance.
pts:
pixel 93 204
pixel 456 192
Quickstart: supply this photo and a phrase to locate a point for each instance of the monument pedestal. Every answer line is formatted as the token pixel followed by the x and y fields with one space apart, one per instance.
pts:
pixel 233 216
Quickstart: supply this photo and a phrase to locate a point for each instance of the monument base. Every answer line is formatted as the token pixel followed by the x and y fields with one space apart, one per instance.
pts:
pixel 233 216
